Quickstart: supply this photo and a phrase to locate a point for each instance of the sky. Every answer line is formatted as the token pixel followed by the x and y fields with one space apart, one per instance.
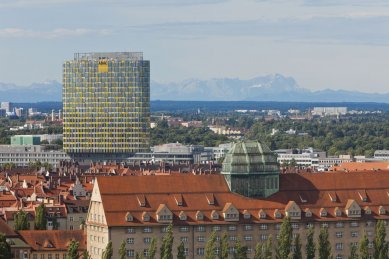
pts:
pixel 336 44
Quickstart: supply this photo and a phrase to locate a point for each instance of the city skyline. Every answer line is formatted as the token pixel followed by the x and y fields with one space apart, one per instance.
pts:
pixel 322 44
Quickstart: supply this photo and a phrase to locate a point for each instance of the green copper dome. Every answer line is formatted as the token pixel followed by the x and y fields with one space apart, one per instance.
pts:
pixel 251 169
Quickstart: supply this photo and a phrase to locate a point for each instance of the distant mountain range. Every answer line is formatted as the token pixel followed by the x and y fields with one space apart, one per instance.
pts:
pixel 262 88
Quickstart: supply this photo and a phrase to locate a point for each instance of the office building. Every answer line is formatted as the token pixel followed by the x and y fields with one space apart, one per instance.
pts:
pixel 7 106
pixel 348 204
pixel 106 105
pixel 22 155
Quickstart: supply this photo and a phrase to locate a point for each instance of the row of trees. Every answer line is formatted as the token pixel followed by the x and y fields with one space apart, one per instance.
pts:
pixel 286 246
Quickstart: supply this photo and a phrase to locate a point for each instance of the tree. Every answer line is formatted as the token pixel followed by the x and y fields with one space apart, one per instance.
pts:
pixel 310 247
pixel 138 255
pixel 72 252
pixel 364 247
pixel 268 248
pixel 86 255
pixel 258 251
pixel 167 244
pixel 324 244
pixel 20 220
pixel 223 244
pixel 210 248
pixel 240 251
pixel 297 253
pixel 353 252
pixel 5 248
pixel 40 218
pixel 152 250
pixel 284 239
pixel 181 251
pixel 380 245
pixel 108 252
pixel 122 250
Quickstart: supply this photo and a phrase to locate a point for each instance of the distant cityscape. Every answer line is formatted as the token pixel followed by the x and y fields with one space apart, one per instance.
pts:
pixel 105 176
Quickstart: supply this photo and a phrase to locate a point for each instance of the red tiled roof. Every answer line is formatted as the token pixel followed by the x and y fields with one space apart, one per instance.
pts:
pixel 119 195
pixel 357 166
pixel 49 240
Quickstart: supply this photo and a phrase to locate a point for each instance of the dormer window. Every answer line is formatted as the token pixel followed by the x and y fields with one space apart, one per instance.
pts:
pixel 277 214
pixel 129 217
pixel 210 198
pixel 338 212
pixel 246 214
pixel 145 216
pixel 262 214
pixel 141 200
pixel 332 196
pixel 199 215
pixel 214 215
pixel 367 210
pixel 381 210
pixel 182 216
pixel 363 195
pixel 308 213
pixel 323 212
pixel 179 199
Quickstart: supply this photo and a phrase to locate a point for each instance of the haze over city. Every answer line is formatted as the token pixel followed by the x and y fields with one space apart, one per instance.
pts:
pixel 321 44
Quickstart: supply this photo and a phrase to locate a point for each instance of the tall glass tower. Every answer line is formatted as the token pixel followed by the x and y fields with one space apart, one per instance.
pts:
pixel 106 105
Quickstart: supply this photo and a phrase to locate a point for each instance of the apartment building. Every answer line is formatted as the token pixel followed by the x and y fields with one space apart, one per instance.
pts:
pixel 136 209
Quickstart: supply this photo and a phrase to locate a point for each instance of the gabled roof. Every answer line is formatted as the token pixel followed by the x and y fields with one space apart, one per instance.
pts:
pixel 119 196
pixel 41 240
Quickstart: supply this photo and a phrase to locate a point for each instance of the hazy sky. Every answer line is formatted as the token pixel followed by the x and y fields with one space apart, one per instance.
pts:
pixel 338 44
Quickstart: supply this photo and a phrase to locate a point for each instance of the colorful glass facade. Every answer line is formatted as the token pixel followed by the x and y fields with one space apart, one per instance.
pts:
pixel 106 104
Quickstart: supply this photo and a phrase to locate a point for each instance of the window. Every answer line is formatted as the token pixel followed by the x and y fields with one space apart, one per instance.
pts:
pixel 131 253
pixel 200 251
pixel 130 240
pixel 146 252
pixel 232 238
pixel 147 240
pixel 248 227
pixel 216 228
pixel 130 230
pixel 277 226
pixel 164 229
pixel 71 219
pixel 71 227
pixel 354 234
pixel 186 251
pixel 339 246
pixel 324 225
pixel 263 226
pixel 184 239
pixel 339 225
pixel 354 224
pixel 295 225
pixel 339 234
pixel 200 228
pixel 232 228
pixel 263 237
pixel 248 238
pixel 35 257
pixel 56 256
pixel 309 225
pixel 147 230
pixel 49 256
pixel 339 257
pixel 201 239
pixel 184 229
